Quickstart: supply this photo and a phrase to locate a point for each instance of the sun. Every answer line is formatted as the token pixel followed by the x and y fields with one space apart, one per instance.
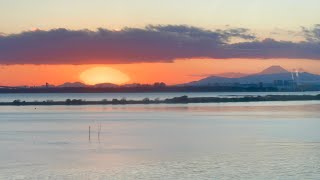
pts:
pixel 98 75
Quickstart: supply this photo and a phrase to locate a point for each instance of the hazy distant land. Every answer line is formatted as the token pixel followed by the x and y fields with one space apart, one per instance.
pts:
pixel 175 100
pixel 272 79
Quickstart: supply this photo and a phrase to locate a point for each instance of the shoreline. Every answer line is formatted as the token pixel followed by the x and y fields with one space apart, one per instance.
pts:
pixel 175 100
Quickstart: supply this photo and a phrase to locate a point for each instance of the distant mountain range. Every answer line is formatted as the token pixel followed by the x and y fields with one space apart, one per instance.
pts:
pixel 80 84
pixel 270 70
pixel 274 70
pixel 267 76
pixel 274 78
pixel 226 74
pixel 231 75
pixel 102 85
pixel 72 84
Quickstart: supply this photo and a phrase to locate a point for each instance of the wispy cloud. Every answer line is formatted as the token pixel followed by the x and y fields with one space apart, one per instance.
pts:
pixel 313 34
pixel 149 44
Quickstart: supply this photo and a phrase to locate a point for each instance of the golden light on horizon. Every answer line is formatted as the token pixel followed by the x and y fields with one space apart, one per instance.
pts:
pixel 97 75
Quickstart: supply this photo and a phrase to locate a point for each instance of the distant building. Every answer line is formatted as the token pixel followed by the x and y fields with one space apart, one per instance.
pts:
pixel 278 83
pixel 285 85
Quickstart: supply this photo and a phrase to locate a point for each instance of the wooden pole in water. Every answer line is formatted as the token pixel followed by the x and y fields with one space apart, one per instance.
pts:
pixel 99 130
pixel 89 133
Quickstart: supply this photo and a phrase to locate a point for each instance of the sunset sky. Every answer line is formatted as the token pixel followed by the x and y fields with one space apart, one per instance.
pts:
pixel 173 41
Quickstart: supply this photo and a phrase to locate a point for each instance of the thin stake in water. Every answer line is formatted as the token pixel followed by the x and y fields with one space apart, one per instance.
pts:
pixel 89 134
pixel 99 130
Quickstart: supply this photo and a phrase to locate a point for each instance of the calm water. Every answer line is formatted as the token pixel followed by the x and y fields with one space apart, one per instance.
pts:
pixel 261 140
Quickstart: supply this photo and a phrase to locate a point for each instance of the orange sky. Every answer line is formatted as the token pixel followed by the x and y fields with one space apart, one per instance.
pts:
pixel 171 73
pixel 47 32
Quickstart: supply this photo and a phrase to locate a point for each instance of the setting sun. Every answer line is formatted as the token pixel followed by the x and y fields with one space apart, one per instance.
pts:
pixel 99 75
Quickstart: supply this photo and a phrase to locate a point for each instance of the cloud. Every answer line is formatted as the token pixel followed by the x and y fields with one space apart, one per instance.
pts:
pixel 149 44
pixel 279 31
pixel 272 49
pixel 313 34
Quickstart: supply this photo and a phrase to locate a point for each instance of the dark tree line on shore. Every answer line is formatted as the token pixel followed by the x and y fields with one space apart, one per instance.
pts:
pixel 175 100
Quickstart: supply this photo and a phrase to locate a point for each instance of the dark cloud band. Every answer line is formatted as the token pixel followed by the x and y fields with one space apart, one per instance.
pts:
pixel 149 44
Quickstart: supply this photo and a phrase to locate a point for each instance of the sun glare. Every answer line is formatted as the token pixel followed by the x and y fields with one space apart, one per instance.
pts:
pixel 99 75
